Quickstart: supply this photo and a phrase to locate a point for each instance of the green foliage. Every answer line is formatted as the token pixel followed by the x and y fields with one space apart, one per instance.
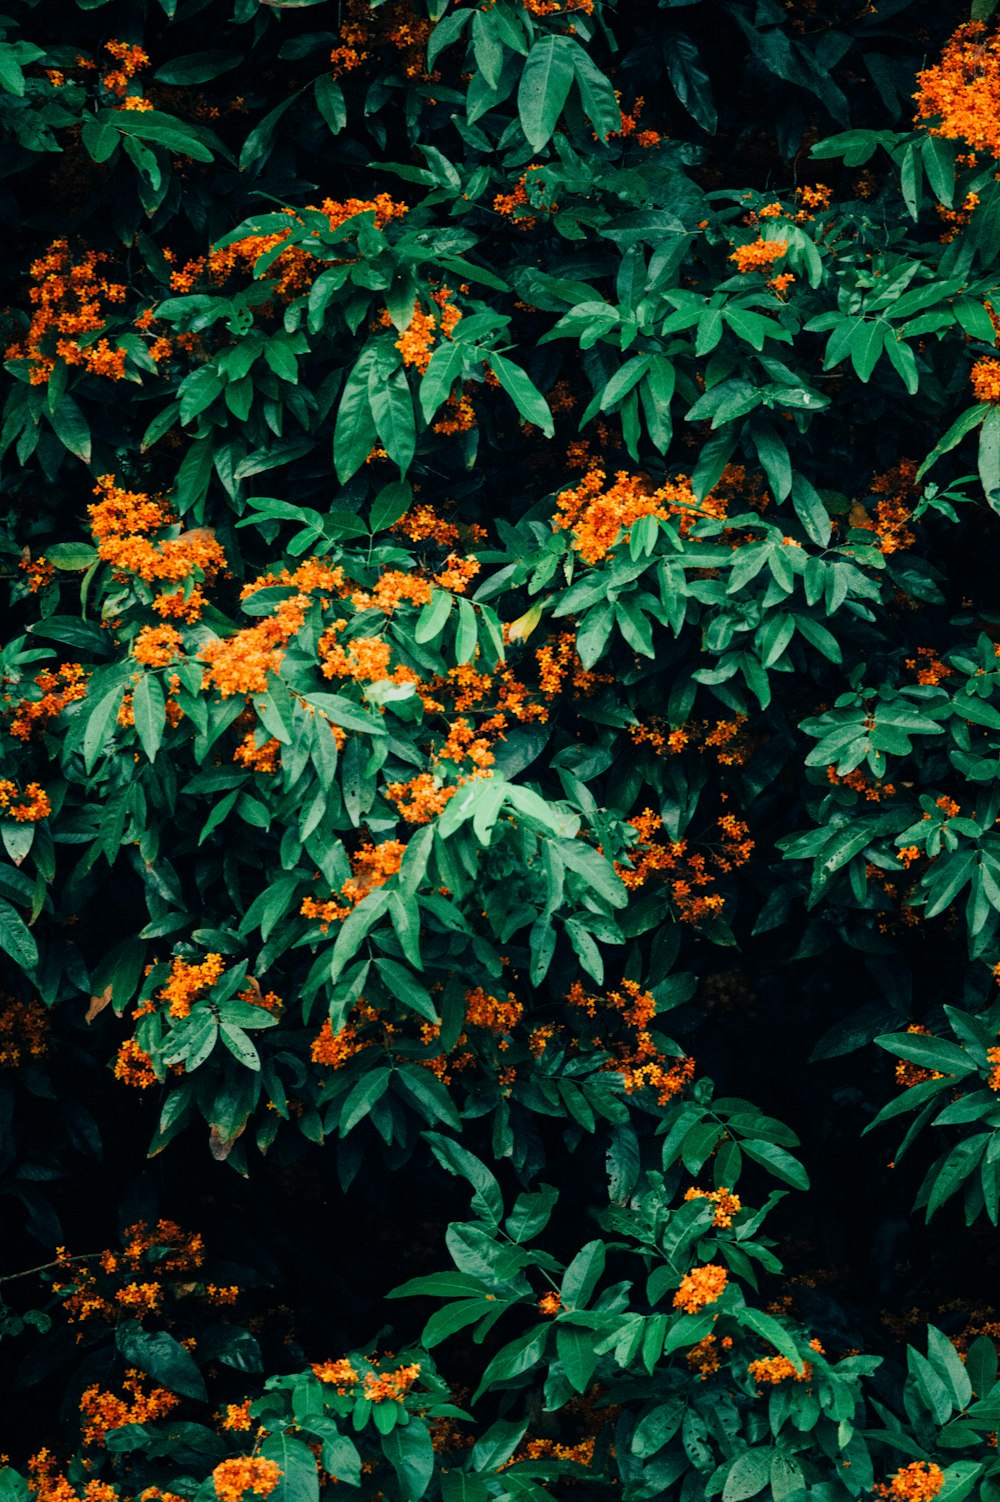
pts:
pixel 500 517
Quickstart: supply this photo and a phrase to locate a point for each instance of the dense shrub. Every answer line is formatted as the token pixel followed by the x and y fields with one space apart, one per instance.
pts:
pixel 501 725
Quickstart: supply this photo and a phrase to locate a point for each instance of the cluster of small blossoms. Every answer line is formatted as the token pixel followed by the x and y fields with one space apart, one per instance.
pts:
pixel 157 646
pixel 295 269
pixel 770 1370
pixel 985 378
pixel 961 92
pixel 188 983
pixel 24 808
pixel 637 1059
pixel 123 522
pixel 371 867
pixel 129 60
pixel 24 1031
pixel 759 255
pixel 417 341
pixel 70 301
pixel 703 1285
pixel 103 1411
pixel 136 1279
pixel 920 1481
pixel 365 33
pixel 245 1475
pixel 601 515
pixel 727 1204
pixel 46 1483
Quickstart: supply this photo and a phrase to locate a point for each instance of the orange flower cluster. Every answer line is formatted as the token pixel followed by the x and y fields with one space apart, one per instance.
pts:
pixel 485 1011
pixel 330 1048
pixel 874 792
pixel 188 983
pixel 649 855
pixel 134 1066
pixel 898 492
pixel 394 589
pixel 423 524
pixel 703 1357
pixel 526 200
pixel 394 25
pixel 992 1079
pixel 131 60
pixel 639 1062
pixel 558 661
pixel 601 516
pixel 265 757
pixel 233 1479
pixel 421 799
pixel 416 342
pixel 340 1374
pixel 70 301
pixel 985 378
pixel 235 1417
pixel 727 1204
pixel 630 124
pixel 157 646
pixel 962 91
pixel 240 664
pixel 770 1370
pixel 759 255
pixel 550 1304
pixel 103 1411
pixel 24 1031
pixel 39 570
pixel 58 689
pixel 364 658
pixel 458 415
pixel 920 1481
pixel 47 1484
pixel 703 1285
pixel 154 1250
pixel 956 220
pixel 928 666
pixel 293 272
pixel 390 1386
pixel 24 808
pixel 371 867
pixel 122 521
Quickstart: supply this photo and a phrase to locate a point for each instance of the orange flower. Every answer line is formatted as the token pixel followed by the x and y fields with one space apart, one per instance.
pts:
pixel 134 1066
pixel 759 255
pixel 390 1385
pixel 550 1304
pixel 188 983
pixel 920 1481
pixel 770 1370
pixel 34 804
pixel 24 1028
pixel 701 1286
pixel 156 646
pixel 962 91
pixel 985 378
pixel 334 1049
pixel 727 1204
pixel 340 1374
pixel 233 1479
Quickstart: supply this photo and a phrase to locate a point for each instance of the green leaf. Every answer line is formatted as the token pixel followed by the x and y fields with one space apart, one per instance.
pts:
pixel 391 407
pixel 525 395
pixel 16 938
pixel 163 1358
pixel 100 725
pixel 544 88
pixel 989 456
pixel 149 711
pixel 597 94
pixel 928 1052
pixel 354 435
pixel 299 1480
pixel 770 1330
pixel 71 427
pixel 411 1454
pixel 775 1159
pixel 748 1474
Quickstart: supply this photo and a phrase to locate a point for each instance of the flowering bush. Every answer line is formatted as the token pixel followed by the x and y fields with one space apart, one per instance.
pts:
pixel 500 693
